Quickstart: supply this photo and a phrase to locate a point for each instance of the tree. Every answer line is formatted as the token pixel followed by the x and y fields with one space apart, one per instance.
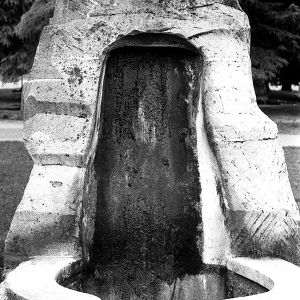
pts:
pixel 275 45
pixel 10 45
pixel 21 23
pixel 274 49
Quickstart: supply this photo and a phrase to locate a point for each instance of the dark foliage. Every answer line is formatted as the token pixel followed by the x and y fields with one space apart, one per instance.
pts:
pixel 21 23
pixel 274 50
pixel 275 47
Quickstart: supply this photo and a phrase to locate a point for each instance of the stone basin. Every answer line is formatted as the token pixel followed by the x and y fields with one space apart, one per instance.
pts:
pixel 264 279
pixel 117 282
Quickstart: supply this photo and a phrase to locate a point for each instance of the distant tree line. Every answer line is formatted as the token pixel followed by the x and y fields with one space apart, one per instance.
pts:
pixel 275 42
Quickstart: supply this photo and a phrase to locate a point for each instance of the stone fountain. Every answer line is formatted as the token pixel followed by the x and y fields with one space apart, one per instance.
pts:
pixel 149 151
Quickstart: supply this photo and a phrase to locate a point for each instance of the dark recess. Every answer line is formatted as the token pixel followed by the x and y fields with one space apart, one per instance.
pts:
pixel 147 222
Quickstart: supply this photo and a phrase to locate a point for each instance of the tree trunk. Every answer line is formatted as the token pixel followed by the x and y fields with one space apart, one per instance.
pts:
pixel 261 90
pixel 286 85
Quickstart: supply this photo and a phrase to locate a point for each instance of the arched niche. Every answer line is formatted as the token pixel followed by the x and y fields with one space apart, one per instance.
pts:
pixel 146 165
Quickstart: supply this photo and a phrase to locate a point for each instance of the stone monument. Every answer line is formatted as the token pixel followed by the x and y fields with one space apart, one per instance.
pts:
pixel 141 119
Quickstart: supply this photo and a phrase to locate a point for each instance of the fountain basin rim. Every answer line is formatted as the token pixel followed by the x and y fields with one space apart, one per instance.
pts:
pixel 39 278
pixel 280 277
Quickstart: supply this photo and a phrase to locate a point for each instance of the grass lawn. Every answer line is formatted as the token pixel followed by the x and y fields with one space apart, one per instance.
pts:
pixel 15 168
pixel 292 158
pixel 287 117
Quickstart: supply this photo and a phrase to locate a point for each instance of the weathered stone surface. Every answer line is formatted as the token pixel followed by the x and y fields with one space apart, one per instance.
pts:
pixel 53 139
pixel 253 179
pixel 46 220
pixel 68 57
pixel 88 212
pixel 63 98
pixel 110 283
pixel 242 128
pixel 278 276
pixel 67 10
pixel 53 97
pixel 240 162
pixel 214 241
pixel 250 160
pixel 42 66
pixel 239 286
pixel 37 279
pixel 265 233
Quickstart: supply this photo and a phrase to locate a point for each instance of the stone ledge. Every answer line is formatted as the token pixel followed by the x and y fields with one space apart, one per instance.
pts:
pixel 58 139
pixel 277 275
pixel 241 127
pixel 78 9
pixel 79 39
pixel 53 96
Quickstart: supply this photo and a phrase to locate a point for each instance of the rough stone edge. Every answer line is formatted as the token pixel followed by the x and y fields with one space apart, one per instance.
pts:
pixel 280 277
pixel 231 57
pixel 65 9
pixel 215 238
pixel 12 256
pixel 38 279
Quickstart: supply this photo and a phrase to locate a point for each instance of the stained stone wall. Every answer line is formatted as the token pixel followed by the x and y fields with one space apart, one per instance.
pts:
pixel 246 203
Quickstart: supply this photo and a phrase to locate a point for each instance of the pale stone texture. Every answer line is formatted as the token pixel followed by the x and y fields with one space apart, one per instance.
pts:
pixel 278 276
pixel 46 220
pixel 38 279
pixel 241 165
pixel 261 215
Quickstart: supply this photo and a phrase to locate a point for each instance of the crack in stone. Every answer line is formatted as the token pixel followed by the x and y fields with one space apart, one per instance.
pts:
pixel 245 141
